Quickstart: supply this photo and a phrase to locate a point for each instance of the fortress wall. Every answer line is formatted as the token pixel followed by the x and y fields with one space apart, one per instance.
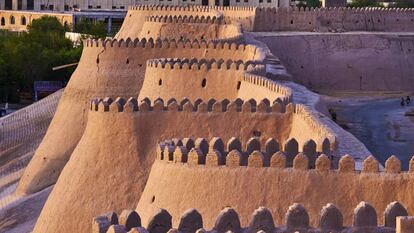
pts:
pixel 324 19
pixel 114 65
pixel 192 80
pixel 137 15
pixel 307 123
pixel 273 187
pixel 363 61
pixel 258 87
pixel 117 149
pixel 192 31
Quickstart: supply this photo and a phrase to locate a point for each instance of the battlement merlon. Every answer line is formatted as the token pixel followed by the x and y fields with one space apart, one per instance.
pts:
pixel 256 152
pixel 203 64
pixel 271 153
pixel 184 19
pixel 296 219
pixel 172 43
pixel 144 105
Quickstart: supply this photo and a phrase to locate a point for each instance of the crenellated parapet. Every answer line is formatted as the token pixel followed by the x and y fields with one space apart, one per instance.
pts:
pixel 334 19
pixel 184 19
pixel 256 152
pixel 296 220
pixel 202 64
pixel 164 43
pixel 217 49
pixel 268 152
pixel 317 122
pixel 185 105
pixel 193 8
pixel 269 84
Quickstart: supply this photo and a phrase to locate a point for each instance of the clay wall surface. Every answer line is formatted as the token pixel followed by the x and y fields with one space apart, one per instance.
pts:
pixel 192 79
pixel 168 27
pixel 24 18
pixel 342 19
pixel 120 67
pixel 137 16
pixel 274 187
pixel 258 87
pixel 351 61
pixel 116 151
pixel 306 125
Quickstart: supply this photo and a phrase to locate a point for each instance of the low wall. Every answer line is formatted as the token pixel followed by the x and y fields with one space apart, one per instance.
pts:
pixel 275 187
pixel 261 220
pixel 336 19
pixel 348 61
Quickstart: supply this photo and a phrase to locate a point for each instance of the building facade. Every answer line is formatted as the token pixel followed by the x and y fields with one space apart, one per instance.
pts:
pixel 75 5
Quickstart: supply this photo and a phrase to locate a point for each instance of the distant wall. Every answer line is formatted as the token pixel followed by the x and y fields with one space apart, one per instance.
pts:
pixel 324 19
pixel 367 62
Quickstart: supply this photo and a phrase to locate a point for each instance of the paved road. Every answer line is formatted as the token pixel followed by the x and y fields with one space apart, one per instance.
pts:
pixel 383 128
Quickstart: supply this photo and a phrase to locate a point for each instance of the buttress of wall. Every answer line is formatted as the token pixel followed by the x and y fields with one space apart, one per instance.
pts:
pixel 120 149
pixel 191 31
pixel 190 81
pixel 136 17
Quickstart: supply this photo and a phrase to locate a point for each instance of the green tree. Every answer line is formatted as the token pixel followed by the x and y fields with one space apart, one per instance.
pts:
pixel 404 3
pixel 30 56
pixel 91 29
pixel 364 3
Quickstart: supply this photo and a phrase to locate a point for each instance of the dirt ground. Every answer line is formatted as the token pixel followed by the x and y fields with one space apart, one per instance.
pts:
pixel 21 215
pixel 378 120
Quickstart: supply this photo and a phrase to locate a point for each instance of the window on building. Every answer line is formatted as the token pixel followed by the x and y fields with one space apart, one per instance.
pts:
pixel 8 5
pixel 113 7
pixel 23 20
pixel 30 4
pixel 184 0
pixel 269 1
pixel 98 7
pixel 260 1
pixel 122 7
pixel 89 7
pixel 3 21
pixel 42 7
pixel 51 7
pixel 237 0
pixel 12 21
pixel 66 8
pixel 246 0
pixel 76 6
